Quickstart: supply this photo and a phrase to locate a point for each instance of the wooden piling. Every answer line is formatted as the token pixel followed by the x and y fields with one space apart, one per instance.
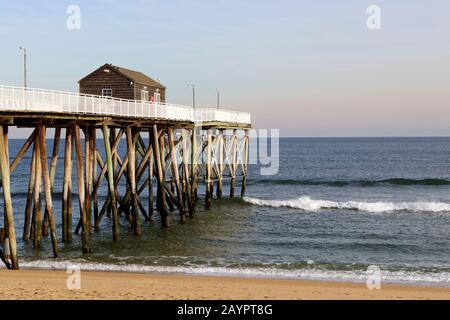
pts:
pixel 109 164
pixel 67 186
pixel 186 179
pixel 55 153
pixel 37 209
pixel 208 172
pixel 85 234
pixel 4 156
pixel 6 142
pixel 150 179
pixel 245 164
pixel 47 189
pixel 131 147
pixel 107 205
pixel 233 161
pixel 29 203
pixel 112 138
pixel 220 165
pixel 194 165
pixel 94 166
pixel 175 174
pixel 54 161
pixel 88 176
pixel 160 177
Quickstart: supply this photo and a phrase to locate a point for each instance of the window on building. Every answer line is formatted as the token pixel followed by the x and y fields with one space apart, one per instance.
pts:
pixel 107 91
pixel 144 95
pixel 157 97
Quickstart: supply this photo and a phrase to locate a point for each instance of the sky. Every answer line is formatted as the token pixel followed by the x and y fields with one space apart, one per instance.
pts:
pixel 309 68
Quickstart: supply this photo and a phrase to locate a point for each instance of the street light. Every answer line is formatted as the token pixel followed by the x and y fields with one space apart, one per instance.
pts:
pixel 24 65
pixel 193 95
pixel 218 99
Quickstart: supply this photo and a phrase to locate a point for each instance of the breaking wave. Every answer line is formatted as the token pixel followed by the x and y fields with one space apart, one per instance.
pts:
pixel 308 204
pixel 359 183
pixel 441 278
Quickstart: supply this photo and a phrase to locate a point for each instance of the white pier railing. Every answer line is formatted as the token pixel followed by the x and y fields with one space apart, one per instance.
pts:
pixel 19 99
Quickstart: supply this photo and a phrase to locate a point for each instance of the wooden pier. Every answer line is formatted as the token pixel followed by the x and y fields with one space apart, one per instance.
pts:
pixel 174 146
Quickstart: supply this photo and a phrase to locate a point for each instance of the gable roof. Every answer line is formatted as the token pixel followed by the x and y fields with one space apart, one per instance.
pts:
pixel 135 76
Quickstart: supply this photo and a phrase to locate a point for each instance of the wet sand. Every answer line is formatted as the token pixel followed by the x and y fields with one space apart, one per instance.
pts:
pixel 47 284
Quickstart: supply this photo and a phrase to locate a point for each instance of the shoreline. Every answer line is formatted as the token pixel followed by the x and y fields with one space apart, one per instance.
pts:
pixel 355 276
pixel 250 276
pixel 52 284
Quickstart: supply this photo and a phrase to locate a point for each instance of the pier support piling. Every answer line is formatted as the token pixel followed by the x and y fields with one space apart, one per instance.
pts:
pixel 29 203
pixel 245 164
pixel 67 187
pixel 131 146
pixel 9 215
pixel 159 160
pixel 233 163
pixel 37 209
pixel 208 172
pixel 85 233
pixel 111 184
pixel 48 189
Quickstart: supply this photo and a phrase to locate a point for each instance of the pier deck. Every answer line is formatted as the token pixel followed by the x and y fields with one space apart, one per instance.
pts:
pixel 173 145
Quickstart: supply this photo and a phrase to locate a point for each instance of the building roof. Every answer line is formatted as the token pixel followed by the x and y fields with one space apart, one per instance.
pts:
pixel 135 76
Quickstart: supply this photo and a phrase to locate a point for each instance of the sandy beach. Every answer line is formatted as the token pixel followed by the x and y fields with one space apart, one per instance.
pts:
pixel 45 284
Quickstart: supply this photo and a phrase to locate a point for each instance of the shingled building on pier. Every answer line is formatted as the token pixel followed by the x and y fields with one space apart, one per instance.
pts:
pixel 122 83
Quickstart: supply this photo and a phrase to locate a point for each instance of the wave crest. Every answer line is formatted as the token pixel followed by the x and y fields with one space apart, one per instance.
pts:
pixel 359 183
pixel 308 204
pixel 441 278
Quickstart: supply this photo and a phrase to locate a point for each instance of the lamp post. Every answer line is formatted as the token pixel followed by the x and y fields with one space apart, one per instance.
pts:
pixel 193 95
pixel 24 65
pixel 218 99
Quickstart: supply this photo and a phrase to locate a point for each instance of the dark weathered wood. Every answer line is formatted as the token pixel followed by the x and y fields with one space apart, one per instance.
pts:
pixel 194 166
pixel 233 161
pixel 123 83
pixel 9 215
pixel 208 173
pixel 112 193
pixel 29 203
pixel 47 189
pixel 55 153
pixel 54 161
pixel 85 234
pixel 131 147
pixel 37 209
pixel 88 181
pixel 92 161
pixel 160 177
pixel 6 142
pixel 112 140
pixel 164 158
pixel 245 164
pixel 66 198
pixel 150 178
pixel 88 171
pixel 186 178
pixel 104 166
pixel 95 155
pixel 69 198
pixel 175 174
pixel 220 165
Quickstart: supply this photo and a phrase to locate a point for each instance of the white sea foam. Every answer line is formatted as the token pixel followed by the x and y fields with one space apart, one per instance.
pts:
pixel 308 204
pixel 436 278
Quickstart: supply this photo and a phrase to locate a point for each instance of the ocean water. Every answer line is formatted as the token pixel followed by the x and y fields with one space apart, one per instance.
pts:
pixel 336 206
